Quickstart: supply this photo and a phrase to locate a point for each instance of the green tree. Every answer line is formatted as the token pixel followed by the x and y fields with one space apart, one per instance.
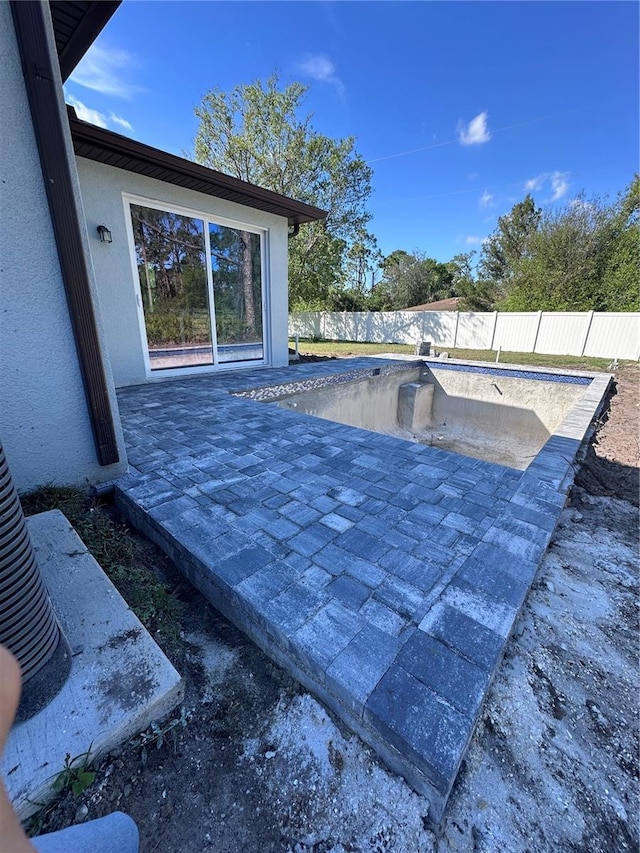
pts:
pixel 583 256
pixel 476 294
pixel 621 281
pixel 410 280
pixel 255 132
pixel 505 248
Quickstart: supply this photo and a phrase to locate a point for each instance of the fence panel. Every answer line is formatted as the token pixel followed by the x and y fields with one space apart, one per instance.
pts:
pixel 555 333
pixel 306 324
pixel 383 327
pixel 562 332
pixel 338 326
pixel 439 327
pixel 360 326
pixel 408 327
pixel 475 331
pixel 614 336
pixel 516 332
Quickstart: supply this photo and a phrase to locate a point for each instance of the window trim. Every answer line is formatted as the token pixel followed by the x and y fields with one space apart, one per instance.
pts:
pixel 263 232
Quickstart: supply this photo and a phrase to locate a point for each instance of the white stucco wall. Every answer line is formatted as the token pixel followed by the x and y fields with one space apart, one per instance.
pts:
pixel 102 194
pixel 44 420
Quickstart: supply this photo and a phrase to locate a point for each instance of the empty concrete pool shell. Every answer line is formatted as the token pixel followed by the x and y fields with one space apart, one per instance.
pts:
pixel 497 414
pixel 384 574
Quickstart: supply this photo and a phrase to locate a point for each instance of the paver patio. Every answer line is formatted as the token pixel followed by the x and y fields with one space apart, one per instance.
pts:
pixel 385 575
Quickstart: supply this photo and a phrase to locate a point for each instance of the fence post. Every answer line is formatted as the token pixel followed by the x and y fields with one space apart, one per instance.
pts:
pixel 495 326
pixel 586 336
pixel 535 340
pixel 455 331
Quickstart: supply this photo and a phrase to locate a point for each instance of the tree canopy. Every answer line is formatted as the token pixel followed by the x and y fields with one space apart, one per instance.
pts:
pixel 255 132
pixel 411 279
pixel 585 255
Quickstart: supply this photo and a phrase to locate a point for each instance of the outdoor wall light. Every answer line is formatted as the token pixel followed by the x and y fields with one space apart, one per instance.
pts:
pixel 105 234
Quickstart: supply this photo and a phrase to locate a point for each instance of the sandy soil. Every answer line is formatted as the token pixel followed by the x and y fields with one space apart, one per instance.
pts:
pixel 553 764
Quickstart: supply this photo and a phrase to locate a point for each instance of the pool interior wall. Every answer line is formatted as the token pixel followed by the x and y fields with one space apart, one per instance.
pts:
pixel 384 575
pixel 499 416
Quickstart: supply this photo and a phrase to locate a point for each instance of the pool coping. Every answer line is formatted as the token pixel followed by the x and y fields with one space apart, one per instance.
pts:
pixel 316 597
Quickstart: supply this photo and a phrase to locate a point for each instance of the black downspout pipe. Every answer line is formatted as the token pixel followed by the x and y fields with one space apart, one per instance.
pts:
pixel 28 624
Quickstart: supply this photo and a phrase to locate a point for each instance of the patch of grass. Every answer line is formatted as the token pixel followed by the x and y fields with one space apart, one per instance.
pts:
pixel 343 349
pixel 118 553
pixel 75 776
pixel 161 733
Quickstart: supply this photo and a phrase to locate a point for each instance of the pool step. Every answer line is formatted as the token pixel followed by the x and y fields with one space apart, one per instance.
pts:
pixel 415 405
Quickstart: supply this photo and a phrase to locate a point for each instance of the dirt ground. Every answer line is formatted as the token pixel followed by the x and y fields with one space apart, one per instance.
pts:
pixel 553 766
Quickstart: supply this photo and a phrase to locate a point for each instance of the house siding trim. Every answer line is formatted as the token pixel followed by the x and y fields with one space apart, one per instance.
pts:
pixel 40 82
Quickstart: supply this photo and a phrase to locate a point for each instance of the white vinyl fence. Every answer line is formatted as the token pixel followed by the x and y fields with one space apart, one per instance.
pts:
pixel 556 333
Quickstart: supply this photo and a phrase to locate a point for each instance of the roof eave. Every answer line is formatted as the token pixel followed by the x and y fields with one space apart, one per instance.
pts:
pixel 89 24
pixel 114 149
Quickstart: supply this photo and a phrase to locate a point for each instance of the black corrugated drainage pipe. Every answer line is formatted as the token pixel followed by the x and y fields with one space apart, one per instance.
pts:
pixel 28 624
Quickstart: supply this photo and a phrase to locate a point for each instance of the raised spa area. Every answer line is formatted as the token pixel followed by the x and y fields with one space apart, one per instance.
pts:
pixel 373 524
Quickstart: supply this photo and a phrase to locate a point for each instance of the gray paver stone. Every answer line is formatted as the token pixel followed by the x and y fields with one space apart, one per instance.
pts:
pixel 336 522
pixel 382 617
pixel 446 672
pixel 349 591
pixel 311 540
pixel 418 722
pixel 292 608
pixel 399 596
pixel 476 642
pixel 482 571
pixel 267 583
pixel 359 667
pixel 236 568
pixel 318 642
pixel 362 544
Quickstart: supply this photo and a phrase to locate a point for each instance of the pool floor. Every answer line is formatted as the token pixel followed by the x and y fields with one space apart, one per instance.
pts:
pixel 384 575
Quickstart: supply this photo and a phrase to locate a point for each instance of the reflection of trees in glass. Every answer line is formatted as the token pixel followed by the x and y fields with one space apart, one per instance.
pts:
pixel 171 265
pixel 236 264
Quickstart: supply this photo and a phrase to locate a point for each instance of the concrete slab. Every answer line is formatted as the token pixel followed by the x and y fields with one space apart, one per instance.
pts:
pixel 120 680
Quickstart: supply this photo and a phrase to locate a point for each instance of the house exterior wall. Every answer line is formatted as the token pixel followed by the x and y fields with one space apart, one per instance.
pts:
pixel 102 193
pixel 45 425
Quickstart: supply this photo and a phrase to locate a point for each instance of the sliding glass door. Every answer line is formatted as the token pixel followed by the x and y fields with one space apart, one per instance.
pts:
pixel 201 289
pixel 236 268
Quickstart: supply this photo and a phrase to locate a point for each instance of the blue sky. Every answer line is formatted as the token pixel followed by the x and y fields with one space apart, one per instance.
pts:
pixel 459 107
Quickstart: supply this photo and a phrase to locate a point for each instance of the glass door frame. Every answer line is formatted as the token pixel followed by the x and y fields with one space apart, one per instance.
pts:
pixel 169 207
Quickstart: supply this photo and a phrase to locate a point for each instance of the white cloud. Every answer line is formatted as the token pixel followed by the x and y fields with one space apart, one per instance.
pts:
pixel 104 71
pixel 85 113
pixel 473 241
pixel 92 116
pixel 534 183
pixel 320 67
pixel 486 199
pixel 476 132
pixel 558 183
pixel 114 119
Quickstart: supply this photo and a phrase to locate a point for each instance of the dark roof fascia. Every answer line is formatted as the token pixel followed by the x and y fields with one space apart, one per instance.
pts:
pixel 105 146
pixel 40 80
pixel 86 20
